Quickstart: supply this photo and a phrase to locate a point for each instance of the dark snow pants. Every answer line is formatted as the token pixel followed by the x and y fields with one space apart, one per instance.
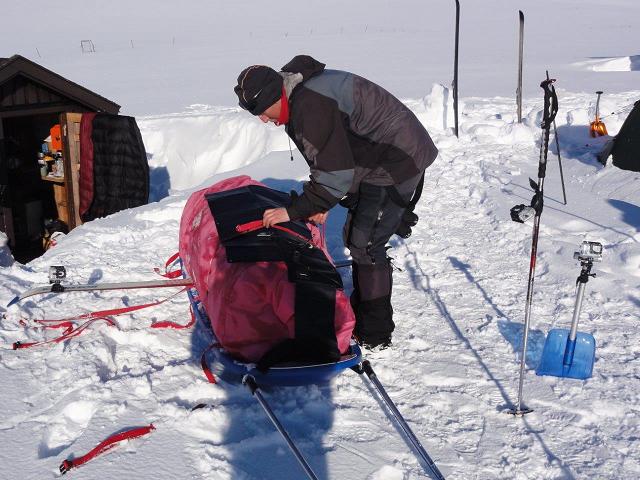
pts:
pixel 369 226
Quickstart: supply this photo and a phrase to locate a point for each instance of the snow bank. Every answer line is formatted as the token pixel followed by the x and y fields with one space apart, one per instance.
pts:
pixel 194 146
pixel 612 64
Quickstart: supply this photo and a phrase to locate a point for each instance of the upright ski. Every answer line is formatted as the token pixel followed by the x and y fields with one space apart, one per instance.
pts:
pixel 455 68
pixel 520 54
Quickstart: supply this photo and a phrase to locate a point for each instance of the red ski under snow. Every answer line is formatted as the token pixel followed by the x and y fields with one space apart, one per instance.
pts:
pixel 250 305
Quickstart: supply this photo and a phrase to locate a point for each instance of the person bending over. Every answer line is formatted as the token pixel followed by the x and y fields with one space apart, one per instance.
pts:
pixel 366 150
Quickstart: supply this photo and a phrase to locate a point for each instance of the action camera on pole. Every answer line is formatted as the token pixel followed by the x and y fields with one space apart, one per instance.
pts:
pixel 589 252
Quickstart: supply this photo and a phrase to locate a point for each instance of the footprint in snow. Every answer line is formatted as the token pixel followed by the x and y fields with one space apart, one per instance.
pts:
pixel 66 427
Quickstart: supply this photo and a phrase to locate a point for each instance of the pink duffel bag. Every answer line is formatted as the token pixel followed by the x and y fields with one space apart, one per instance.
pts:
pixel 251 306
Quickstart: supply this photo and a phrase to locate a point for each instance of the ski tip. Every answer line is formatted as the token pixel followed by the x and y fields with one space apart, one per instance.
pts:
pixel 13 302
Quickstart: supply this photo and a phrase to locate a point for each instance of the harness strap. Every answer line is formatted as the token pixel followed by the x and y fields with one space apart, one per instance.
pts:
pixel 205 365
pixel 177 326
pixel 173 259
pixel 105 446
pixel 72 331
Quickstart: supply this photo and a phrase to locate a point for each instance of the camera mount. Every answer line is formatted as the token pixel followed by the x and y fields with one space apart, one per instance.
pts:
pixel 57 273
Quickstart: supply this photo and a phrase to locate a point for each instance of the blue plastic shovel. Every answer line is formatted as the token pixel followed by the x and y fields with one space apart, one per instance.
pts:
pixel 569 353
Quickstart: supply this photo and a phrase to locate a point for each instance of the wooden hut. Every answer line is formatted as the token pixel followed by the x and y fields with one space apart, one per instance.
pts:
pixel 36 103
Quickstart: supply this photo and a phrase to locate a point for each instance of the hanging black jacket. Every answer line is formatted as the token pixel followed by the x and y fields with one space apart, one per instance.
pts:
pixel 120 168
pixel 349 130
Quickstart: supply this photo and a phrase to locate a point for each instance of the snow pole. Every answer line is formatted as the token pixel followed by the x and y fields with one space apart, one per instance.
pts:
pixel 455 68
pixel 251 384
pixel 520 213
pixel 520 54
pixel 366 368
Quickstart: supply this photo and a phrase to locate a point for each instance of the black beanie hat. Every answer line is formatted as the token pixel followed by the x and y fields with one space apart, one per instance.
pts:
pixel 258 88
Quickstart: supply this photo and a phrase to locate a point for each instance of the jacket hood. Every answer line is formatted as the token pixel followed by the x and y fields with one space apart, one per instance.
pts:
pixel 305 65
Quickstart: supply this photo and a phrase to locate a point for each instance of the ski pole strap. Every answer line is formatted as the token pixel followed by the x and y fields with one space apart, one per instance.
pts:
pixel 537 201
pixel 105 446
pixel 173 259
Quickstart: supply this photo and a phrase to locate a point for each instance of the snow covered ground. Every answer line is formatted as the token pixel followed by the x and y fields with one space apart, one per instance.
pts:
pixel 459 298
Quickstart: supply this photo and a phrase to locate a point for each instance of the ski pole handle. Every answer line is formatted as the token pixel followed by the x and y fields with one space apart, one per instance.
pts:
pixel 548 116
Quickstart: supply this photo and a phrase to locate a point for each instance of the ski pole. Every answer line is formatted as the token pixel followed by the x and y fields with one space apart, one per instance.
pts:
pixel 368 369
pixel 537 203
pixel 555 135
pixel 251 384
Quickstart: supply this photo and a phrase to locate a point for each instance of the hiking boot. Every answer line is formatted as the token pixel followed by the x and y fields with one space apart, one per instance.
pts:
pixel 375 346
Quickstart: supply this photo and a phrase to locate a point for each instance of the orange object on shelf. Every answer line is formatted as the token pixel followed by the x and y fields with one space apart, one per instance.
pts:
pixel 56 138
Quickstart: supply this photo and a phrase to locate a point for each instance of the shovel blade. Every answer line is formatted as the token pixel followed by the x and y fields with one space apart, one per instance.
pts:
pixel 598 129
pixel 553 355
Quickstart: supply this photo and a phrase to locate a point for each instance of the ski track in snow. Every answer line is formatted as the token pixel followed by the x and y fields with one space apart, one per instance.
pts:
pixel 459 303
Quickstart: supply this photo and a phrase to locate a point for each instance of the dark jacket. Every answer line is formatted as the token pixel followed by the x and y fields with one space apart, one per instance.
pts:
pixel 350 130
